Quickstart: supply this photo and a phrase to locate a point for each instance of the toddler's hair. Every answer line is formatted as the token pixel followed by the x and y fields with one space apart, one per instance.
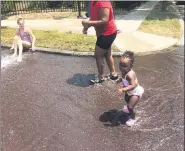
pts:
pixel 130 55
pixel 19 19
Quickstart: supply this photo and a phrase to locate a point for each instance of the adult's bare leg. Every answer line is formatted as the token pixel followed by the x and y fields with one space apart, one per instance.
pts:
pixel 99 55
pixel 110 62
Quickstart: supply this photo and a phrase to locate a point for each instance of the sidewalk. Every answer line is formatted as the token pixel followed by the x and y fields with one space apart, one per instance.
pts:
pixel 137 41
pixel 128 39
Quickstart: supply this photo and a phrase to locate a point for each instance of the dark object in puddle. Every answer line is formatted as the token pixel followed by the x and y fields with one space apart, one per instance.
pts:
pixel 114 117
pixel 81 80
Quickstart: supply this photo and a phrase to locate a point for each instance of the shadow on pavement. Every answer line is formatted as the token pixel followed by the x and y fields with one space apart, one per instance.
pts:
pixel 114 117
pixel 81 80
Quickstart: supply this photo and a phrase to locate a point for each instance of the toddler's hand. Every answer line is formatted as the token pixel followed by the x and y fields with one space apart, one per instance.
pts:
pixel 120 91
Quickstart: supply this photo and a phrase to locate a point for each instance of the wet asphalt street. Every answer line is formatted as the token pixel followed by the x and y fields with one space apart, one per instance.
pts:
pixel 47 104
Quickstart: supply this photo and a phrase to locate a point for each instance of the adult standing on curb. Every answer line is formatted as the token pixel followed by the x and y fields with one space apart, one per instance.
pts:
pixel 102 19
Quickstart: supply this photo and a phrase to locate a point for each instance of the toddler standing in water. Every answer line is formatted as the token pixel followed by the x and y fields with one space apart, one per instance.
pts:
pixel 133 91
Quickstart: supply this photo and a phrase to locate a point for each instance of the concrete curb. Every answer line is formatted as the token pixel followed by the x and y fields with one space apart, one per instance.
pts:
pixel 63 52
pixel 89 54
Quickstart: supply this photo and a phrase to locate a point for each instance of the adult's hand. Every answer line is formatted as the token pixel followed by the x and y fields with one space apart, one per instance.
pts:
pixel 85 24
pixel 84 31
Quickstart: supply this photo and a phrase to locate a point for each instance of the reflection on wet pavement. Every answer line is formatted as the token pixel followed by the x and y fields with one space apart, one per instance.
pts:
pixel 47 104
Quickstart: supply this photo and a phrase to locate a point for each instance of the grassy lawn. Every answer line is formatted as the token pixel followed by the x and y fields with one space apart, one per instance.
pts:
pixel 46 15
pixel 164 23
pixel 57 40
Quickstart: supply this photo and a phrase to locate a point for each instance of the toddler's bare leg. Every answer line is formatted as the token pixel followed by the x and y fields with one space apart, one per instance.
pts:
pixel 131 104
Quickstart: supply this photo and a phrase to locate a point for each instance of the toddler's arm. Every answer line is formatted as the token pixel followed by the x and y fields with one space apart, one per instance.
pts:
pixel 132 83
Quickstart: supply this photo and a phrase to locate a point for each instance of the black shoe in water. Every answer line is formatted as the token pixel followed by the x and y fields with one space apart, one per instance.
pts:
pixel 113 77
pixel 97 80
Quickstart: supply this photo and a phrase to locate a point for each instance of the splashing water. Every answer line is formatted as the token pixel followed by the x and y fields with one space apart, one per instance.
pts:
pixel 7 61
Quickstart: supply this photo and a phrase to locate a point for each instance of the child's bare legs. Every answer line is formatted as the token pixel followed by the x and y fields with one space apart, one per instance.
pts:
pixel 131 104
pixel 18 42
pixel 14 46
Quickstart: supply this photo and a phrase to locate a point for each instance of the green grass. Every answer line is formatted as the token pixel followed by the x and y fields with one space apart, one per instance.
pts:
pixel 164 23
pixel 44 15
pixel 57 40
